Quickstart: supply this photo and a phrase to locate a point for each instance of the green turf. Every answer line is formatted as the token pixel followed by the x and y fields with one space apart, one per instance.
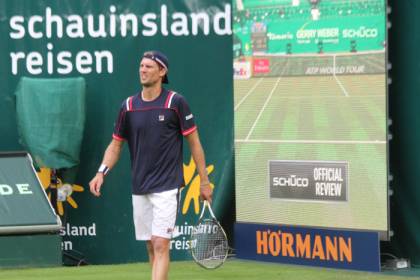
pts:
pixel 233 269
pixel 311 108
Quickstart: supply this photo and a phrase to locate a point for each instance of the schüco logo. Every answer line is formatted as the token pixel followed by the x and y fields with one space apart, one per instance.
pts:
pixel 290 181
pixel 361 32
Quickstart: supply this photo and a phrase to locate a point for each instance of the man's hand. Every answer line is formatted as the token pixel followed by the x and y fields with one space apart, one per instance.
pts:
pixel 96 183
pixel 206 192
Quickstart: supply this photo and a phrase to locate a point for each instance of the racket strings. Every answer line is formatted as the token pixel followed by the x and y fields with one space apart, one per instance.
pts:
pixel 209 244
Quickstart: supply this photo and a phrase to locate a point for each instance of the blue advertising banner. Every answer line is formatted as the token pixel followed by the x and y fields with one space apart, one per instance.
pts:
pixel 308 246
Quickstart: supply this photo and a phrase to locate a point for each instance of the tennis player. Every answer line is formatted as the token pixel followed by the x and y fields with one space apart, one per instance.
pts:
pixel 153 123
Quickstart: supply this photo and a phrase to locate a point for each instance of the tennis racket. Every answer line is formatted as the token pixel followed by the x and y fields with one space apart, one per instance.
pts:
pixel 209 245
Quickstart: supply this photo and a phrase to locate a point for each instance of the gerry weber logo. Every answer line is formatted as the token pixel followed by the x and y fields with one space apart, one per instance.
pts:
pixel 161 118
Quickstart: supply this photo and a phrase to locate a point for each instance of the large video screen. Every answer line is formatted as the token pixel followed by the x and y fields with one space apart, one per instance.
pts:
pixel 310 110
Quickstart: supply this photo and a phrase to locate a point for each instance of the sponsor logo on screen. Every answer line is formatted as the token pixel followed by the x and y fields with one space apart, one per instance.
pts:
pixel 309 180
pixel 242 70
pixel 261 65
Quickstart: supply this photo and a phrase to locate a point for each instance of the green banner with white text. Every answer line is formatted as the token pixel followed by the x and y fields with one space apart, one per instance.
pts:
pixel 102 43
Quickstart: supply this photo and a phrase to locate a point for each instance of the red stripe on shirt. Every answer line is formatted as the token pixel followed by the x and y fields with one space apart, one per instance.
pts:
pixel 118 138
pixel 120 120
pixel 168 98
pixel 131 103
pixel 189 131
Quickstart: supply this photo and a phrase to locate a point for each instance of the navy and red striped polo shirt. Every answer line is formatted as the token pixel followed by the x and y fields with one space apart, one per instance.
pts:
pixel 154 132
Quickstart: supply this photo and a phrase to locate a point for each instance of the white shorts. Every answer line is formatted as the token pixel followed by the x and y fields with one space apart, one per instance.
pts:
pixel 155 214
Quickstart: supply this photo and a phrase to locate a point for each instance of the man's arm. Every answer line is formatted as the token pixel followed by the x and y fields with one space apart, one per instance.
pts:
pixel 111 156
pixel 200 161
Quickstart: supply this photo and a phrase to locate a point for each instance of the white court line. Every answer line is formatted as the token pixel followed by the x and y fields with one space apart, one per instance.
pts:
pixel 266 101
pixel 251 90
pixel 263 108
pixel 338 81
pixel 375 142
pixel 341 86
pixel 248 93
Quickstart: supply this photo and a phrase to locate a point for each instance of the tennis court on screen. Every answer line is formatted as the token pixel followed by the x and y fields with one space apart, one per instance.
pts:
pixel 325 107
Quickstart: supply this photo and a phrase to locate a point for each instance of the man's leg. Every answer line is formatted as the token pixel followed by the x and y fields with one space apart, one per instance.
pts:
pixel 149 246
pixel 164 216
pixel 142 216
pixel 160 266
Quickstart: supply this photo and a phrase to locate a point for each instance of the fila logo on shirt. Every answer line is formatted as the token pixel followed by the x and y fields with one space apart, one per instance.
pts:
pixel 189 117
pixel 161 118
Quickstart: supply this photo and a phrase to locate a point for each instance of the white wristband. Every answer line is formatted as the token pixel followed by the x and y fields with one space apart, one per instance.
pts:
pixel 103 169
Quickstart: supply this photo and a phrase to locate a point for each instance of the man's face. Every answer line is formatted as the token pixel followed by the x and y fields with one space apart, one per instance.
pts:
pixel 150 72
